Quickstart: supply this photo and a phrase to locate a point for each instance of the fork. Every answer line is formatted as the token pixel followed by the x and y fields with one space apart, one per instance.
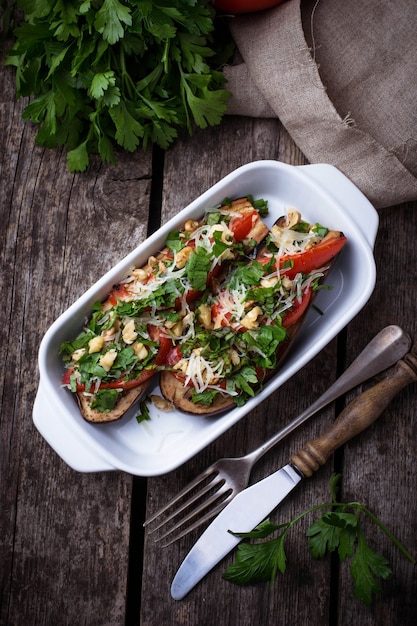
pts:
pixel 217 485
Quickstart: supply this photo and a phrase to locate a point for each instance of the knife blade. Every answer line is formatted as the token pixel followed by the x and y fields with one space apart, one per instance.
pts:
pixel 244 512
pixel 252 505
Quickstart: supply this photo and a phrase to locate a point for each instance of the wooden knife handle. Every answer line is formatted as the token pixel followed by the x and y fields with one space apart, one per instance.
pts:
pixel 357 416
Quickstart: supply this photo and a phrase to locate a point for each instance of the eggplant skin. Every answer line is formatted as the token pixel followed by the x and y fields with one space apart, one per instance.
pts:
pixel 125 402
pixel 179 395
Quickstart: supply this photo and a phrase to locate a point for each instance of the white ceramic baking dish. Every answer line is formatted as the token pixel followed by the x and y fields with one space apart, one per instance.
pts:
pixel 322 194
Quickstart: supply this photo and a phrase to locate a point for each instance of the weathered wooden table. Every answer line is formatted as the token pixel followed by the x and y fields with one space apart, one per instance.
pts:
pixel 73 550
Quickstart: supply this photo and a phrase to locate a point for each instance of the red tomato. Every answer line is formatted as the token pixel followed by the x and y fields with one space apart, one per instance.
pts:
pixel 314 258
pixel 242 224
pixel 118 293
pixel 165 343
pixel 173 356
pixel 245 6
pixel 218 312
pixel 297 310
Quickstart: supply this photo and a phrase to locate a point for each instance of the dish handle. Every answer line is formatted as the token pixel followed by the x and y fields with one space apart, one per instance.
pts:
pixel 340 187
pixel 71 448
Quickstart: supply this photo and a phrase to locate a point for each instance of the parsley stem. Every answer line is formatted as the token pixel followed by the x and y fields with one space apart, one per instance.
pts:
pixel 385 530
pixel 358 507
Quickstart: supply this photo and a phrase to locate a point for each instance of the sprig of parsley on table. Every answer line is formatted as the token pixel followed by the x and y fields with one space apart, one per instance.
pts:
pixel 102 72
pixel 337 530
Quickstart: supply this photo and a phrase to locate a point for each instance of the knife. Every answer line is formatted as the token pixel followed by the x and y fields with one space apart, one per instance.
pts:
pixel 252 505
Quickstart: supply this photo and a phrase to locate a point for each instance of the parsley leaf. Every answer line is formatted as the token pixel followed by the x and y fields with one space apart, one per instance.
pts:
pixel 198 266
pixel 365 564
pixel 247 275
pixel 104 400
pixel 258 562
pixel 143 415
pixel 110 20
pixel 118 72
pixel 337 530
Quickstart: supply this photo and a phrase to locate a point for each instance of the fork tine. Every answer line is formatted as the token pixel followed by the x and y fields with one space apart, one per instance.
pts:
pixel 218 495
pixel 208 516
pixel 194 483
pixel 190 501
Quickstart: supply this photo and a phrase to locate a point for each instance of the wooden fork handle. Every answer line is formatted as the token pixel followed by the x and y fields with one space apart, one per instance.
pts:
pixel 357 416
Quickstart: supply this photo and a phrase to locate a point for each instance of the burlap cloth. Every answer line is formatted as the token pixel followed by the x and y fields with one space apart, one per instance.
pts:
pixel 341 76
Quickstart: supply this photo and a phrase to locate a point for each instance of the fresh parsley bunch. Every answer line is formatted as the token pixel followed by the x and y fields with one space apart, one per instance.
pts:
pixel 337 530
pixel 130 72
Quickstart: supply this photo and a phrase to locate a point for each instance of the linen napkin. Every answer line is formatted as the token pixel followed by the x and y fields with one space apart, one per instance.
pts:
pixel 341 76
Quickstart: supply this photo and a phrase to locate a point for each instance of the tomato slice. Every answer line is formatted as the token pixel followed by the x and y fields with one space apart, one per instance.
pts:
pixel 158 335
pixel 298 309
pixel 144 376
pixel 174 355
pixel 313 258
pixel 191 296
pixel 241 225
pixel 119 292
pixel 218 314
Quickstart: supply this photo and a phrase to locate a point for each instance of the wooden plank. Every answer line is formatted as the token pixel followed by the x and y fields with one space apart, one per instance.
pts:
pixel 64 535
pixel 380 468
pixel 198 164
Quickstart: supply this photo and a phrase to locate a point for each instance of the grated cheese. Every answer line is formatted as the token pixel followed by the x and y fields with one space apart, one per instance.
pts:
pixel 201 373
pixel 289 241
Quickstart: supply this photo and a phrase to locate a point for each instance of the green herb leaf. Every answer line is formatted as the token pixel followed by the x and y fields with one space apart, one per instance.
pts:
pixel 198 266
pixel 110 19
pixel 365 565
pixel 143 415
pixel 77 158
pixel 105 400
pixel 118 71
pixel 334 530
pixel 258 562
pixel 337 529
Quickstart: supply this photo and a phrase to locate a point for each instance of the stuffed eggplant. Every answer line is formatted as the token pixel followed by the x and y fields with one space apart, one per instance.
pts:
pixel 130 336
pixel 242 331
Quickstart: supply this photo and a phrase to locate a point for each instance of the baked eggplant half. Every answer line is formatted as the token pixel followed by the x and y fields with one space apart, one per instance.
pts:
pixel 128 338
pixel 242 332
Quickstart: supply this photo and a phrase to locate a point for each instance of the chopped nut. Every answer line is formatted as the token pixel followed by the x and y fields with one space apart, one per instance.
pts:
pixel 140 350
pixel 293 218
pixel 109 334
pixel 161 403
pixel 129 333
pixel 140 274
pixel 182 366
pixel 204 315
pixel 177 328
pixel 95 344
pixel 269 282
pixel 250 320
pixel 182 256
pixel 331 234
pixel 234 357
pixel 190 226
pixel 107 360
pixel 227 234
pixel 227 255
